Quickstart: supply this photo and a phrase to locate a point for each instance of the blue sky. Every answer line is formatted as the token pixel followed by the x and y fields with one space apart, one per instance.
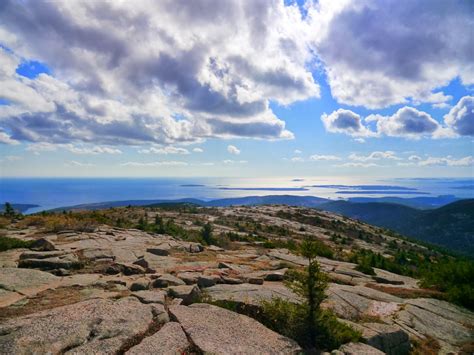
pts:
pixel 306 89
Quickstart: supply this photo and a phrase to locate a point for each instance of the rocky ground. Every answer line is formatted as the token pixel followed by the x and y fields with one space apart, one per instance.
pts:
pixel 116 290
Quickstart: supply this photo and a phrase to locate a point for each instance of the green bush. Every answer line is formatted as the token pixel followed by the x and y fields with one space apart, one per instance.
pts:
pixel 206 234
pixel 7 243
pixel 455 277
pixel 365 268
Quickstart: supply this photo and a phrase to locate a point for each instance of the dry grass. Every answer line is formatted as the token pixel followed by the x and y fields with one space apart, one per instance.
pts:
pixel 407 293
pixel 60 222
pixel 427 346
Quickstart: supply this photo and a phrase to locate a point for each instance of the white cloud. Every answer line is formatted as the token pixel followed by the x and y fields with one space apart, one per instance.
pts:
pixel 164 150
pixel 90 150
pixel 81 149
pixel 387 155
pixel 381 53
pixel 406 122
pixel 198 150
pixel 461 117
pixel 6 139
pixel 346 121
pixel 447 161
pixel 414 158
pixel 359 140
pixel 146 72
pixel 155 163
pixel 74 163
pixel 357 165
pixel 232 149
pixel 317 157
pixel 297 151
pixel 441 105
pixel 230 161
pixel 297 159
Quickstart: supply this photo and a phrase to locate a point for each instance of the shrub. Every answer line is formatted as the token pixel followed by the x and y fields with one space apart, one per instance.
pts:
pixel 206 234
pixel 365 268
pixel 7 243
pixel 9 211
pixel 455 277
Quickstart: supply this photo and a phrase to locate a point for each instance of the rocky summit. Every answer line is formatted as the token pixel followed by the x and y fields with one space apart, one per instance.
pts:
pixel 111 288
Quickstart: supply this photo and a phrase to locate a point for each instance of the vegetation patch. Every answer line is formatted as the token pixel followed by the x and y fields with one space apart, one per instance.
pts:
pixel 306 322
pixel 7 243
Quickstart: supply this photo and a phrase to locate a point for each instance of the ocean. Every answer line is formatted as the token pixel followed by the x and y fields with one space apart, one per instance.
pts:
pixel 51 193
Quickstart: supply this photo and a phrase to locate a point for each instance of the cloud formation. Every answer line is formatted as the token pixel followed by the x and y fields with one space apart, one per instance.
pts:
pixel 152 72
pixel 75 149
pixel 378 54
pixel 154 164
pixel 345 121
pixel 461 117
pixel 387 155
pixel 406 122
pixel 317 157
pixel 164 150
pixel 232 149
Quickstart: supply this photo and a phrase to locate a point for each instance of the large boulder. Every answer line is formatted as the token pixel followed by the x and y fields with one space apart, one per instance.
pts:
pixel 42 244
pixel 93 326
pixel 68 261
pixel 170 339
pixel 150 296
pixel 167 280
pixel 160 250
pixel 216 330
pixel 188 293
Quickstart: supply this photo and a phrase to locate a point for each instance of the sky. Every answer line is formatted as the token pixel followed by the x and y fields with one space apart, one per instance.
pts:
pixel 237 88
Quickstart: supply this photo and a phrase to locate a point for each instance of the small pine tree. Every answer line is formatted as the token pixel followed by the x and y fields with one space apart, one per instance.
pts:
pixel 310 285
pixel 159 225
pixel 306 322
pixel 206 233
pixel 142 224
pixel 9 210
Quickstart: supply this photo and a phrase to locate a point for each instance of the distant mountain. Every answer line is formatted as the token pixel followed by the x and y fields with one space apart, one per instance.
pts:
pixel 422 202
pixel 387 215
pixel 303 201
pixel 306 201
pixel 450 226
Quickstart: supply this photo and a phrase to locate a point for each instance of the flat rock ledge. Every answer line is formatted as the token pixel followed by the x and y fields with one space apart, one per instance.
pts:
pixel 215 330
pixel 90 327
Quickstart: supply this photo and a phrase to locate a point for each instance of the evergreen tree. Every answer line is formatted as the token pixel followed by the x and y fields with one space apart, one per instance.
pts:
pixel 9 210
pixel 206 233
pixel 159 225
